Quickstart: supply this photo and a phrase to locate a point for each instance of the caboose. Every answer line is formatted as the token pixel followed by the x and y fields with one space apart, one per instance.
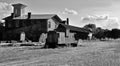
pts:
pixel 57 32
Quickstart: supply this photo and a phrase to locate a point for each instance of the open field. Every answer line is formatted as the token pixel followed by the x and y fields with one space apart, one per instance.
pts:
pixel 91 53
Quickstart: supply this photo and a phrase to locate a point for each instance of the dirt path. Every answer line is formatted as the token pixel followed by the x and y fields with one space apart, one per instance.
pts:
pixel 92 53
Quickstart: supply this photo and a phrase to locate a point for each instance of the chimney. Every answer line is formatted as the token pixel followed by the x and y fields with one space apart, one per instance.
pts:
pixel 64 22
pixel 12 15
pixel 29 15
pixel 67 21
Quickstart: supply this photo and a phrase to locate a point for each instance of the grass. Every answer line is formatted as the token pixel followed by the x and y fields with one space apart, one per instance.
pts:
pixel 92 53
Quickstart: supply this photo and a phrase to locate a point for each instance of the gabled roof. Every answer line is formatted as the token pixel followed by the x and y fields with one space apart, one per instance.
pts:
pixel 76 29
pixel 37 16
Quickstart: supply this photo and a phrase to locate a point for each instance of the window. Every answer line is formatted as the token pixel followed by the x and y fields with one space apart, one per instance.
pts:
pixel 9 25
pixel 20 24
pixel 67 33
pixel 16 11
pixel 49 24
pixel 17 24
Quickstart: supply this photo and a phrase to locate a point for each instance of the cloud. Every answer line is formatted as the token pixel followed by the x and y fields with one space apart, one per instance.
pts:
pixel 70 11
pixel 94 18
pixel 5 9
pixel 104 21
pixel 5 6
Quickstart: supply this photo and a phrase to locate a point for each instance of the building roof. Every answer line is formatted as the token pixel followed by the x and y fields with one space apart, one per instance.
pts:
pixel 37 16
pixel 76 29
pixel 19 4
pixel 8 17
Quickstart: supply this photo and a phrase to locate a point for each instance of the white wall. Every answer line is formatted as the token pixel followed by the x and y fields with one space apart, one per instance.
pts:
pixel 61 39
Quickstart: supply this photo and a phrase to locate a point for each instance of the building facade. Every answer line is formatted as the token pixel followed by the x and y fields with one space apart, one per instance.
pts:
pixel 33 25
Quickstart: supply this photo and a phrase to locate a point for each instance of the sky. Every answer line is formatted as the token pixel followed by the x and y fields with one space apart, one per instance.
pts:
pixel 103 13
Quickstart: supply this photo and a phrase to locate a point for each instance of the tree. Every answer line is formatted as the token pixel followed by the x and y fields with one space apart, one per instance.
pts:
pixel 115 33
pixel 91 28
pixel 99 33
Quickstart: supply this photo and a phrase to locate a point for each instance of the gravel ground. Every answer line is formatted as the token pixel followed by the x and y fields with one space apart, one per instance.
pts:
pixel 91 53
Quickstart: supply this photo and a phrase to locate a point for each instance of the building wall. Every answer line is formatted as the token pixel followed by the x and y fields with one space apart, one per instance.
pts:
pixel 67 33
pixel 25 23
pixel 19 10
pixel 8 23
pixel 70 38
pixel 81 35
pixel 66 39
pixel 52 24
pixel 61 38
pixel 32 29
